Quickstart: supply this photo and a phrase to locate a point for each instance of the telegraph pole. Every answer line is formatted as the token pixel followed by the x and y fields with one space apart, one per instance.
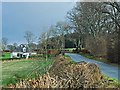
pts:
pixel 46 49
pixel 46 46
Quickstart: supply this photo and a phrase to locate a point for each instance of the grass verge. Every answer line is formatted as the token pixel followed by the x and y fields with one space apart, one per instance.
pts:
pixel 114 81
pixel 14 71
pixel 97 59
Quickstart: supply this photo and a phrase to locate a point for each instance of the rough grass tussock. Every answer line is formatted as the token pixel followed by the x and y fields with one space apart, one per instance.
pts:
pixel 66 74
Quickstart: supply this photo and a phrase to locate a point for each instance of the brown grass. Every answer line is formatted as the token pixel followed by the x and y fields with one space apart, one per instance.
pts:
pixel 64 74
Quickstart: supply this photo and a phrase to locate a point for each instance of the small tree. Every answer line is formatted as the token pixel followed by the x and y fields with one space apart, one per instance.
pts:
pixel 29 36
pixel 62 29
pixel 4 43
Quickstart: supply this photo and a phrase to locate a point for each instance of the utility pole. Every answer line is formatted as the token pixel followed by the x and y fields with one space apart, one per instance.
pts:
pixel 46 46
pixel 46 49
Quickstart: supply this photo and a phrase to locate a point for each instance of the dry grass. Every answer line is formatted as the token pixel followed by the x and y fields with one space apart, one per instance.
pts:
pixel 64 74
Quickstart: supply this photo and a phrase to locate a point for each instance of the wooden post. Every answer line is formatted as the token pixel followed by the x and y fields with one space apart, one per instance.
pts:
pixel 46 46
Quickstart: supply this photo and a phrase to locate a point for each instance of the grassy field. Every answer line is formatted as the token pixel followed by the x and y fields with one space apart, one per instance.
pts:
pixel 5 55
pixel 14 71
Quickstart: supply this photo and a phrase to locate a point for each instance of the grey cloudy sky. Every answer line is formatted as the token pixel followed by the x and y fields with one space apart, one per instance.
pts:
pixel 18 17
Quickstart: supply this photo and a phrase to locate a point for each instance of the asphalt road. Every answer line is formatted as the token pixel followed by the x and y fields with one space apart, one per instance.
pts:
pixel 109 70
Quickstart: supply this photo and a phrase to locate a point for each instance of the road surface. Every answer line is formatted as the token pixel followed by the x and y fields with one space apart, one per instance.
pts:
pixel 109 70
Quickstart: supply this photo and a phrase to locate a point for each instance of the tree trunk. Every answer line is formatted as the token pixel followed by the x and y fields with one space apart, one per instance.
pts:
pixel 119 46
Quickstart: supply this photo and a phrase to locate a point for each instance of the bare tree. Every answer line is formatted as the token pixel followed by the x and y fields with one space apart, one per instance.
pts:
pixel 42 40
pixel 112 11
pixel 4 43
pixel 30 38
pixel 98 26
pixel 62 29
pixel 12 47
pixel 56 35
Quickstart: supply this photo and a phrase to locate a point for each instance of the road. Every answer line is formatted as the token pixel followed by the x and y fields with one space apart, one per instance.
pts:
pixel 109 70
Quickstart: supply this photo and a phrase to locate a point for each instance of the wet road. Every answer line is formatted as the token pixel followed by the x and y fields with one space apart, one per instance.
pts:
pixel 109 70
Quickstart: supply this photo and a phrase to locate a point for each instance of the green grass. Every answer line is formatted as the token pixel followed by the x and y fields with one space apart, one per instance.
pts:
pixel 6 55
pixel 14 71
pixel 70 49
pixel 115 83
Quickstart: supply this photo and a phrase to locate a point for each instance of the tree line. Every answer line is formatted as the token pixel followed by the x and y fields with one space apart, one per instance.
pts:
pixel 94 26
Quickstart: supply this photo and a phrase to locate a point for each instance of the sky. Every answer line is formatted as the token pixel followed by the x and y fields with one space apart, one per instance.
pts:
pixel 37 17
pixel 0 20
